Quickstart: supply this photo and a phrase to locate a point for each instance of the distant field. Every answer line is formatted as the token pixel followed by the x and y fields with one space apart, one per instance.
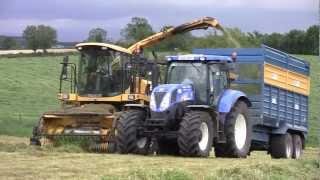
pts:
pixel 20 161
pixel 29 51
pixel 29 85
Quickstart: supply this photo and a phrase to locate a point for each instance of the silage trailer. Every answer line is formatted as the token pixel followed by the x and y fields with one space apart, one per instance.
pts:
pixel 256 100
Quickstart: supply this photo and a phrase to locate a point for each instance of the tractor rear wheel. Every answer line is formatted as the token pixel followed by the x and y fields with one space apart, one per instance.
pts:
pixel 195 135
pixel 281 146
pixel 127 138
pixel 238 131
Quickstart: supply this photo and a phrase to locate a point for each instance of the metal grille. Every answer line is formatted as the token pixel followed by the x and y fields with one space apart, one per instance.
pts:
pixel 158 97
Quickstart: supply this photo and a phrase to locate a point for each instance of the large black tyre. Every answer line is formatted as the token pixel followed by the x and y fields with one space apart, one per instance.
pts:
pixel 297 146
pixel 127 139
pixel 281 146
pixel 167 147
pixel 195 135
pixel 238 132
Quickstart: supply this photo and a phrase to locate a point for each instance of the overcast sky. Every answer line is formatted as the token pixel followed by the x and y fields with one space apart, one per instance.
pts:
pixel 74 18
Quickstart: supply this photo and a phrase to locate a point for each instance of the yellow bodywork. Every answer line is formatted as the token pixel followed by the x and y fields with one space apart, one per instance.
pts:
pixel 285 79
pixel 103 45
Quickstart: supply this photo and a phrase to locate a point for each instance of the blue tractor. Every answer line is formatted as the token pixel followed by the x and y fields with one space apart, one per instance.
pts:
pixel 192 112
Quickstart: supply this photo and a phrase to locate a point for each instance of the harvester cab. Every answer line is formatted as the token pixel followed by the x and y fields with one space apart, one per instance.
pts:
pixel 188 114
pixel 93 91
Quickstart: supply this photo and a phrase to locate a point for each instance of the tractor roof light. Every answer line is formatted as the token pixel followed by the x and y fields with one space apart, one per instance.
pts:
pixel 234 56
pixel 202 58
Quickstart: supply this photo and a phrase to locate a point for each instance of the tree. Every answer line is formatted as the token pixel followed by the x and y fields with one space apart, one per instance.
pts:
pixel 312 40
pixel 293 42
pixel 274 40
pixel 47 36
pixel 181 42
pixel 136 30
pixel 97 35
pixel 30 35
pixel 8 43
pixel 41 36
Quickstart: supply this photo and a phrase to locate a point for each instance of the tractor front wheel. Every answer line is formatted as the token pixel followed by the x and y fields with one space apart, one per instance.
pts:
pixel 195 135
pixel 127 138
pixel 238 131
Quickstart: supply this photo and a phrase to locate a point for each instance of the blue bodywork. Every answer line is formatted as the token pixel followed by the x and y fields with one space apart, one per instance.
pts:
pixel 228 98
pixel 200 57
pixel 183 93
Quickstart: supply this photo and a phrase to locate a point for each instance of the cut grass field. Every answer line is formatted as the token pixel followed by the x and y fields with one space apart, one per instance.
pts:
pixel 29 87
pixel 20 161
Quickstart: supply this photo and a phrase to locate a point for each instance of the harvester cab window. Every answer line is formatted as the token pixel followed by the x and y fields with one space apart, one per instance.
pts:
pixel 98 72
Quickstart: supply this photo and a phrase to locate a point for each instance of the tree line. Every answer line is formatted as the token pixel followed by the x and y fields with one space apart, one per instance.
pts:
pixel 295 41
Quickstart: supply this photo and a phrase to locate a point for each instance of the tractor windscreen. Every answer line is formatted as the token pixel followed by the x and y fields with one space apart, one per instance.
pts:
pixel 101 73
pixel 189 73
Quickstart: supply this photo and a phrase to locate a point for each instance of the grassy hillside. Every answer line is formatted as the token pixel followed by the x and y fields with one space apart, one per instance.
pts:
pixel 28 87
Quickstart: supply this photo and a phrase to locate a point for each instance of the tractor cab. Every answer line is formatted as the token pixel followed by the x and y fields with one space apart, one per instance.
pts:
pixel 196 78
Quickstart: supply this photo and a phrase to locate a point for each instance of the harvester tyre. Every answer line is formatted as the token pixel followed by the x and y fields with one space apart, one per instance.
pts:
pixel 281 146
pixel 127 140
pixel 195 135
pixel 238 132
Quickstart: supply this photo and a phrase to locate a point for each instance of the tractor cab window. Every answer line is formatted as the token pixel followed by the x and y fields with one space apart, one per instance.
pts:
pixel 101 73
pixel 189 73
pixel 218 82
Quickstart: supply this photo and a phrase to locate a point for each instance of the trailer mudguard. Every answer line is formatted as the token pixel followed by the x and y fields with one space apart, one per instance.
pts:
pixel 228 98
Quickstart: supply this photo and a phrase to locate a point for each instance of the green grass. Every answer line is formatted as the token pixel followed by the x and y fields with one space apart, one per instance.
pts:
pixel 314 100
pixel 29 86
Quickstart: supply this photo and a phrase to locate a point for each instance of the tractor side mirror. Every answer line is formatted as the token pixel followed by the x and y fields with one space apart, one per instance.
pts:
pixel 64 72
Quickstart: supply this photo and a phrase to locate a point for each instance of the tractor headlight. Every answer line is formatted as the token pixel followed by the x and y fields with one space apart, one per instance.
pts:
pixel 165 103
pixel 153 103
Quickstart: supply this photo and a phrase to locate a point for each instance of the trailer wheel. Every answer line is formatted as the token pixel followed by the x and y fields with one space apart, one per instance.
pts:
pixel 297 146
pixel 238 131
pixel 127 139
pixel 195 135
pixel 281 146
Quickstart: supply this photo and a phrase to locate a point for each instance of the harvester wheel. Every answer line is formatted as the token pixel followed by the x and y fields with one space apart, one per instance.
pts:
pixel 195 134
pixel 34 141
pixel 127 139
pixel 281 146
pixel 238 131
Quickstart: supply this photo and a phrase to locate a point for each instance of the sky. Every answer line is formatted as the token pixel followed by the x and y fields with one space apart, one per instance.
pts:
pixel 73 19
